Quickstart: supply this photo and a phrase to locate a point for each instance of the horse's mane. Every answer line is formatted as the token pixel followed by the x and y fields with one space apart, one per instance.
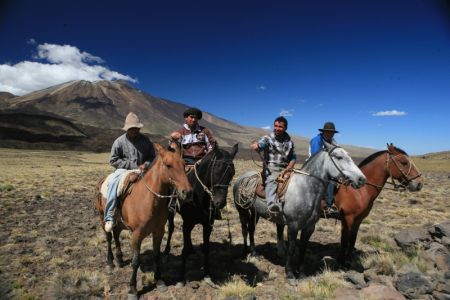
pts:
pixel 311 159
pixel 376 154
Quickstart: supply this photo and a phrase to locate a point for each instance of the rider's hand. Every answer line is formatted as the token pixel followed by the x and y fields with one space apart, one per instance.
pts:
pixel 254 146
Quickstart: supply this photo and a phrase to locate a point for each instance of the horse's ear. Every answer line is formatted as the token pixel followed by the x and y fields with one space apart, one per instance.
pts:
pixel 234 150
pixel 160 149
pixel 390 147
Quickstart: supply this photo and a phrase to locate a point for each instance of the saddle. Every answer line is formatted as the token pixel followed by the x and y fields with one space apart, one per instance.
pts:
pixel 126 184
pixel 283 181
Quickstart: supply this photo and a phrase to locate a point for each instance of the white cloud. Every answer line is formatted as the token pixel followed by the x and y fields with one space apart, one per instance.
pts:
pixel 389 113
pixel 261 88
pixel 267 127
pixel 286 112
pixel 61 63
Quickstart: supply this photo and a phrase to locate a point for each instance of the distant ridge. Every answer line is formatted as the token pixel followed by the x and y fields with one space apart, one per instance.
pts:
pixel 102 106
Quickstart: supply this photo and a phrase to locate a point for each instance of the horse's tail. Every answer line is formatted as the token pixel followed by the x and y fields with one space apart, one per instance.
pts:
pixel 244 190
pixel 97 199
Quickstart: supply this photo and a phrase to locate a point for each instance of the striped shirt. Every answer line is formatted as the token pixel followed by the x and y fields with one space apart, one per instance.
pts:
pixel 278 151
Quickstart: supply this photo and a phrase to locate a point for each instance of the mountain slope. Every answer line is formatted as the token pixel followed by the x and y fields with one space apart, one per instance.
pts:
pixel 105 104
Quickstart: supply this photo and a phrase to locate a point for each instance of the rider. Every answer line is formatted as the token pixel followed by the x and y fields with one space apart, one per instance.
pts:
pixel 279 153
pixel 317 144
pixel 196 140
pixel 132 150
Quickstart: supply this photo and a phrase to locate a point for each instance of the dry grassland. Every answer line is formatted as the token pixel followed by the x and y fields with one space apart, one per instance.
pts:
pixel 52 246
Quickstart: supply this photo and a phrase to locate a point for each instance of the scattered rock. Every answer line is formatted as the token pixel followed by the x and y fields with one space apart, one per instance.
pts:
pixel 357 279
pixel 414 201
pixel 411 237
pixel 439 255
pixel 440 230
pixel 381 292
pixel 346 294
pixel 440 296
pixel 412 285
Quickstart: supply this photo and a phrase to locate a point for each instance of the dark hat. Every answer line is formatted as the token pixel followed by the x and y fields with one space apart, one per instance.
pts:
pixel 328 126
pixel 193 111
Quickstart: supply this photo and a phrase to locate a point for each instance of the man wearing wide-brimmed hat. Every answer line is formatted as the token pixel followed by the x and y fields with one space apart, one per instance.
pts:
pixel 131 150
pixel 315 145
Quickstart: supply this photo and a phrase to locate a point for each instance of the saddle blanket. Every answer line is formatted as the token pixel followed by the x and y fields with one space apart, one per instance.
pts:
pixel 123 183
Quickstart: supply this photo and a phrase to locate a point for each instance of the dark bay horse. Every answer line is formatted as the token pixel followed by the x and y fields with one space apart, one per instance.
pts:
pixel 145 209
pixel 301 209
pixel 210 179
pixel 355 205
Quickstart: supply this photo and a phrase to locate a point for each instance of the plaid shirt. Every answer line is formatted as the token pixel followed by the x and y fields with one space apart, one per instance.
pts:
pixel 278 151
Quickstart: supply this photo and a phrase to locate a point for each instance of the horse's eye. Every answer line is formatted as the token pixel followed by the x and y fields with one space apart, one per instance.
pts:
pixel 404 163
pixel 338 157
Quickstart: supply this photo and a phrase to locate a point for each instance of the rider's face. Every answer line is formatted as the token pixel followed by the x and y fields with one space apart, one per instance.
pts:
pixel 328 135
pixel 133 132
pixel 279 128
pixel 191 120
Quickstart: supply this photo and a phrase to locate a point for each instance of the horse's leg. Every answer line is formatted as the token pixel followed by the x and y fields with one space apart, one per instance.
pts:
pixel 346 224
pixel 207 228
pixel 119 254
pixel 136 240
pixel 292 237
pixel 304 238
pixel 352 239
pixel 157 238
pixel 254 217
pixel 244 218
pixel 171 229
pixel 281 248
pixel 187 249
pixel 109 256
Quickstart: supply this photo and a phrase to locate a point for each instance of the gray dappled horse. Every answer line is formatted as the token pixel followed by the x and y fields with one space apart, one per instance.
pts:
pixel 301 209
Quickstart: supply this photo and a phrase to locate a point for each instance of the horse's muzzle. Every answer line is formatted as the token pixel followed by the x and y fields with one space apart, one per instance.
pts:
pixel 414 186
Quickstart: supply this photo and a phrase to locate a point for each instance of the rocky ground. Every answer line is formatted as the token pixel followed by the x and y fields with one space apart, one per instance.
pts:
pixel 52 246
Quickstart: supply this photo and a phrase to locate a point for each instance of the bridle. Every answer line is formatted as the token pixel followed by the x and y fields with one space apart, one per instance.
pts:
pixel 405 175
pixel 402 185
pixel 213 186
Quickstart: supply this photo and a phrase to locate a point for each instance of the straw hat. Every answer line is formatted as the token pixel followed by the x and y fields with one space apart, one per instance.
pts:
pixel 132 121
pixel 328 126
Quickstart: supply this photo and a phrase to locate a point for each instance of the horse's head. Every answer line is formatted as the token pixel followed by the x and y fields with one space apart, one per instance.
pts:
pixel 218 168
pixel 401 168
pixel 172 171
pixel 341 167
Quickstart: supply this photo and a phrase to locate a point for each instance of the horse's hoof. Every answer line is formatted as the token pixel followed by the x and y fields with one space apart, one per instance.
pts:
pixel 209 282
pixel 132 296
pixel 161 286
pixel 109 269
pixel 180 284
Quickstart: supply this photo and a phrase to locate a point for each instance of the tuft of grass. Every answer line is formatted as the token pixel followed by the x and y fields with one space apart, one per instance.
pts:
pixel 323 285
pixel 382 263
pixel 378 242
pixel 76 284
pixel 236 288
pixel 5 187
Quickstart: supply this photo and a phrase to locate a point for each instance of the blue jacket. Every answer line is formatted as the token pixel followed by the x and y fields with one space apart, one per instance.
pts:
pixel 316 144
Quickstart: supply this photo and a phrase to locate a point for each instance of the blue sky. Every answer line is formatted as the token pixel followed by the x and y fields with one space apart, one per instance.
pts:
pixel 379 69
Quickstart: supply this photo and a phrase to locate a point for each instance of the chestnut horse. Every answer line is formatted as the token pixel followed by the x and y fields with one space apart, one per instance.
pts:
pixel 355 204
pixel 145 209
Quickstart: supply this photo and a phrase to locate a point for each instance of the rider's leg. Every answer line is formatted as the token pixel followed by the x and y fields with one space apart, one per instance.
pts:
pixel 271 192
pixel 111 198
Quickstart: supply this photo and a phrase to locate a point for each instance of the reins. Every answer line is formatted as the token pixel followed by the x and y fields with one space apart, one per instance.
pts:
pixel 402 184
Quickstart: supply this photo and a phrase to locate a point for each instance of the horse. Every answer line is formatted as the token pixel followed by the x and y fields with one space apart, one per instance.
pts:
pixel 301 209
pixel 210 178
pixel 355 205
pixel 145 209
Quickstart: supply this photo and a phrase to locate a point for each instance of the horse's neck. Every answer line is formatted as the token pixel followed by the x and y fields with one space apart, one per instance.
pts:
pixel 153 180
pixel 376 171
pixel 317 167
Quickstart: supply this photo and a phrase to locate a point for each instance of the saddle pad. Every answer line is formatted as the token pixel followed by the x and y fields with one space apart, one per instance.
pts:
pixel 121 186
